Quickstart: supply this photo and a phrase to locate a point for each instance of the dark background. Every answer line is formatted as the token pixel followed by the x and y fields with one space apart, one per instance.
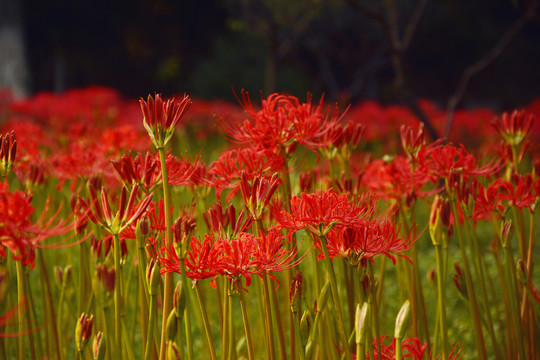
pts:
pixel 206 47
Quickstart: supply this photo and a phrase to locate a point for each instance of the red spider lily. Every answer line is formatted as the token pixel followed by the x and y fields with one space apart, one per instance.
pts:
pixel 514 127
pixel 180 170
pixel 341 137
pixel 17 231
pixel 225 222
pixel 202 261
pixel 412 141
pixel 139 170
pixel 396 179
pixel 243 256
pixel 521 195
pixel 411 349
pixel 145 170
pixel 258 194
pixel 160 117
pixel 271 254
pixel 225 173
pixel 442 160
pixel 488 202
pixel 320 211
pixel 367 241
pixel 8 151
pixel 81 159
pixel 282 121
pixel 128 212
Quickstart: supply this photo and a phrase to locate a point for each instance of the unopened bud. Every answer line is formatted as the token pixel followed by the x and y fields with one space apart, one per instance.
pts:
pixel 323 297
pixel 507 232
pixel 83 330
pixel 402 320
pixel 99 347
pixel 179 299
pixel 171 328
pixel 295 292
pixel 143 226
pixel 305 327
pixel 521 271
pixel 361 324
pixel 153 277
pixel 172 351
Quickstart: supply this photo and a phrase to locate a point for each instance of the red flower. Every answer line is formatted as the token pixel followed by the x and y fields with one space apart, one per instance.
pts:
pixel 101 213
pixel 139 170
pixel 282 122
pixel 225 173
pixel 443 160
pixel 320 211
pixel 8 150
pixel 522 194
pixel 17 231
pixel 161 117
pixel 514 127
pixel 258 194
pixel 366 241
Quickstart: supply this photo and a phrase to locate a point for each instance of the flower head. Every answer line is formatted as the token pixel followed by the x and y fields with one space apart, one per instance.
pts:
pixel 161 117
pixel 284 122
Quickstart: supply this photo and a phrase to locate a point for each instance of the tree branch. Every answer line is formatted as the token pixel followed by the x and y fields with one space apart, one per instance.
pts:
pixel 483 63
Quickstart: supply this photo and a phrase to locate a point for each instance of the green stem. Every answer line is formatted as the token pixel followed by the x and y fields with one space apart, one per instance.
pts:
pixel 245 318
pixel 207 329
pixel 442 308
pixel 398 349
pixel 32 314
pixel 268 318
pixel 117 297
pixel 510 275
pixel 277 313
pixel 230 325
pixel 301 349
pixel 43 273
pixel 187 311
pixel 151 324
pixel 335 296
pixel 167 278
pixel 479 269
pixel 473 305
pixel 20 296
pixel 374 306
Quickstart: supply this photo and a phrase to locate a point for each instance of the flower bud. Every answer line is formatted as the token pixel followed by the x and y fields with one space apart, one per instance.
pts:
pixel 83 330
pixel 323 297
pixel 171 328
pixel 179 299
pixel 153 277
pixel 521 271
pixel 305 327
pixel 172 351
pixel 507 231
pixel 361 323
pixel 295 292
pixel 402 320
pixel 99 347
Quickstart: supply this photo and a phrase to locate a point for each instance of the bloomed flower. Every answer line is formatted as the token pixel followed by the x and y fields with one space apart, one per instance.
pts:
pixel 320 211
pixel 21 235
pixel 225 173
pixel 282 121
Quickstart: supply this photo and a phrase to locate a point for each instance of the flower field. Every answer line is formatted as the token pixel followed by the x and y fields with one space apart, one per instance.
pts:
pixel 274 228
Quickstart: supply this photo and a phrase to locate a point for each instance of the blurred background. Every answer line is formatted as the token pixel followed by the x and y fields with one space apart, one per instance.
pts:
pixel 392 51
